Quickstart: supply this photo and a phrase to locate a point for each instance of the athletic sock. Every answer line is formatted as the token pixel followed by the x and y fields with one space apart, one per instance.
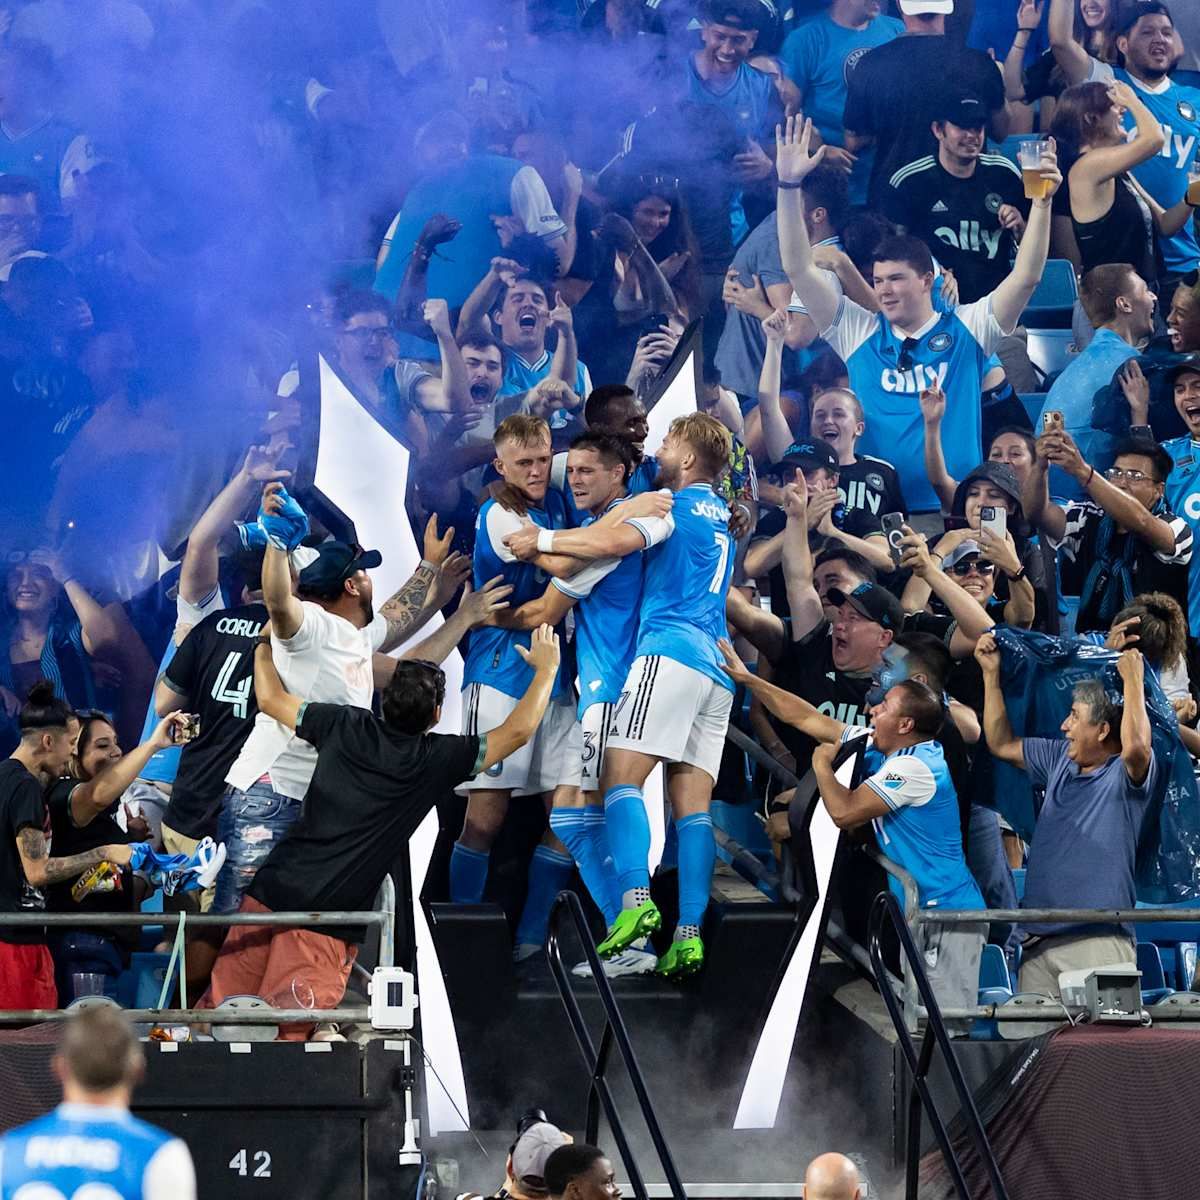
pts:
pixel 683 932
pixel 581 830
pixel 549 872
pixel 697 856
pixel 468 874
pixel 628 829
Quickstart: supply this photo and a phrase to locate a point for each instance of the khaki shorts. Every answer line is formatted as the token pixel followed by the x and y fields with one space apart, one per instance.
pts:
pixel 176 843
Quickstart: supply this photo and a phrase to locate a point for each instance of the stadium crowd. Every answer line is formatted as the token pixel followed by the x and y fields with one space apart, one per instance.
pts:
pixel 826 209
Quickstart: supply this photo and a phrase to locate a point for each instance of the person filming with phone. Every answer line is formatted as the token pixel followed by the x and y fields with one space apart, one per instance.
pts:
pixel 1122 539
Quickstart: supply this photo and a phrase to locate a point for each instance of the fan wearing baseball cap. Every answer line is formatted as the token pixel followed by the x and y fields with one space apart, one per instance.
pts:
pixel 898 90
pixel 967 205
pixel 323 637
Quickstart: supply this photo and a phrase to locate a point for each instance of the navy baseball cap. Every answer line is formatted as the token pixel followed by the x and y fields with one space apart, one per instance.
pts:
pixel 874 602
pixel 807 456
pixel 967 112
pixel 334 564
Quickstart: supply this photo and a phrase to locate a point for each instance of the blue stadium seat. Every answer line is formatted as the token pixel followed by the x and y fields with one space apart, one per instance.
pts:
pixel 1052 305
pixel 1154 983
pixel 993 969
pixel 1008 147
pixel 1033 402
pixel 1050 350
pixel 1176 942
pixel 141 982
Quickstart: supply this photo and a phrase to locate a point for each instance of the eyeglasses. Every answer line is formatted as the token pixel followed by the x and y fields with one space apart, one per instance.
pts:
pixel 1116 474
pixel 369 333
pixel 980 566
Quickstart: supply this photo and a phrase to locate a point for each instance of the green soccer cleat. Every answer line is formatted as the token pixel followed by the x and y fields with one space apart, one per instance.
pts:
pixel 682 959
pixel 631 924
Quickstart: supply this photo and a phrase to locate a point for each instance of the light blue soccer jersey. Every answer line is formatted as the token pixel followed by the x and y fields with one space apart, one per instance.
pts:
pixel 1183 497
pixel 609 592
pixel 888 372
pixel 686 581
pixel 164 764
pixel 921 829
pixel 492 658
pixel 642 480
pixel 1165 176
pixel 88 1150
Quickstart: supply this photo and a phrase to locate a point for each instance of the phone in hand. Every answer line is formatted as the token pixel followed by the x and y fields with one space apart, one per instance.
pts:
pixel 893 531
pixel 1142 433
pixel 1052 421
pixel 186 730
pixel 994 519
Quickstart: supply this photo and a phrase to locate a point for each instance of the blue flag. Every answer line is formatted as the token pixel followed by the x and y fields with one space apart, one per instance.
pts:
pixel 1037 675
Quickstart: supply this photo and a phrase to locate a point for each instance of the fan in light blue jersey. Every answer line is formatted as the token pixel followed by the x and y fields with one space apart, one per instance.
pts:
pixel 1183 484
pixel 91 1145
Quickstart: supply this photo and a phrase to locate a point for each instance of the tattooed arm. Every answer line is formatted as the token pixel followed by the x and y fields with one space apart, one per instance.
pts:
pixel 40 869
pixel 431 586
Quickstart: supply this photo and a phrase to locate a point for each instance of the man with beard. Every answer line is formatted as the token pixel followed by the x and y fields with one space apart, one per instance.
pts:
pixel 323 637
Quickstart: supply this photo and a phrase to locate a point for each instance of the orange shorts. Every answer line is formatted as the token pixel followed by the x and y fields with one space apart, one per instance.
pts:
pixel 288 968
pixel 26 977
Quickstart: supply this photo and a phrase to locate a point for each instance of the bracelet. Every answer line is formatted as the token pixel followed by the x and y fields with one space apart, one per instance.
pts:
pixel 545 541
pixel 785 186
pixel 1089 478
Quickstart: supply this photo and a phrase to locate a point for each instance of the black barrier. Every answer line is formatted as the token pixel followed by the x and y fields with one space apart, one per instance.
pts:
pixel 599 1093
pixel 920 1061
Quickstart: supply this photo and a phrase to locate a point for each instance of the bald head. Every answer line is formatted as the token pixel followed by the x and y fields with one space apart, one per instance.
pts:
pixel 831 1177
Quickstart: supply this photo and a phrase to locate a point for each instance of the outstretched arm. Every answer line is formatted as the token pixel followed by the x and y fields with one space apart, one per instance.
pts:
pixel 437 577
pixel 996 729
pixel 90 798
pixel 41 870
pixel 777 435
pixel 933 409
pixel 790 709
pixel 1072 58
pixel 793 164
pixel 1136 750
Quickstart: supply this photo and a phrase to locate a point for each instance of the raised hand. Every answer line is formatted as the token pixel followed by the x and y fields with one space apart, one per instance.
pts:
pixel 491 598
pixel 933 405
pixel 775 326
pixel 560 315
pixel 259 465
pixel 455 572
pixel 1131 668
pixel 987 655
pixel 793 160
pixel 436 314
pixel 542 654
pixel 1136 389
pixel 435 549
pixel 1029 14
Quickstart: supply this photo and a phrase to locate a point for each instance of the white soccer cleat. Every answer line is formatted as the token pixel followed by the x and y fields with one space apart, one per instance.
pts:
pixel 630 961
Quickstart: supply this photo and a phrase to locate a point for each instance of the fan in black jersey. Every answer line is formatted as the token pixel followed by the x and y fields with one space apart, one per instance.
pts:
pixel 968 206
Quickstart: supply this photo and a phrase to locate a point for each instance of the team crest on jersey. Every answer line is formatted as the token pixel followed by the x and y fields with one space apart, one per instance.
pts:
pixel 1186 110
pixel 992 202
pixel 852 61
pixel 940 342
pixel 875 482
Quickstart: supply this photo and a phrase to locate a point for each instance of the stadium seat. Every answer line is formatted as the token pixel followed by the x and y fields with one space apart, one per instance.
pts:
pixel 1154 983
pixel 141 982
pixel 993 969
pixel 1050 350
pixel 1052 305
pixel 1033 402
pixel 1008 147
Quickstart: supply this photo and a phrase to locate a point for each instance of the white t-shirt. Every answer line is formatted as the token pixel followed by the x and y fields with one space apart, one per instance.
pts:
pixel 327 659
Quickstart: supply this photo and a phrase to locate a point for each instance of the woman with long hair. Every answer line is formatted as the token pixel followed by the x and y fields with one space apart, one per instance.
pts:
pixel 655 209
pixel 1113 217
pixel 85 812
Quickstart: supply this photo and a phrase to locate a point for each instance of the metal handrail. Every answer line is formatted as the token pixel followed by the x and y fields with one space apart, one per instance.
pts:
pixel 1055 916
pixel 920 1061
pixel 596 1060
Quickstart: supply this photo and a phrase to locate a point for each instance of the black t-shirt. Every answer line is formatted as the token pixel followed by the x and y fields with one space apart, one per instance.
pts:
pixel 871 488
pixel 214 669
pixel 899 89
pixel 806 669
pixel 371 789
pixel 21 807
pixel 957 218
pixel 69 838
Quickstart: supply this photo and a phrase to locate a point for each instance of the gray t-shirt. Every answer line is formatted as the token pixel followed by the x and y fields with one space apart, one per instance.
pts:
pixel 1084 845
pixel 743 344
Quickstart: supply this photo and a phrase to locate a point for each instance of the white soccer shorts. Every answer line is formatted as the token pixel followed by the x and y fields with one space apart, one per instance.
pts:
pixel 548 759
pixel 595 726
pixel 671 712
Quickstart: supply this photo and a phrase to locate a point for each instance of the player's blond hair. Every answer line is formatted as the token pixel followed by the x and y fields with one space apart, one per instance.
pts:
pixel 522 428
pixel 710 441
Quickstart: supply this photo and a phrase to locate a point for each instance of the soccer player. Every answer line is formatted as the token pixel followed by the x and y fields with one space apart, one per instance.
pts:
pixel 893 355
pixel 674 707
pixel 90 1145
pixel 606 595
pixel 495 676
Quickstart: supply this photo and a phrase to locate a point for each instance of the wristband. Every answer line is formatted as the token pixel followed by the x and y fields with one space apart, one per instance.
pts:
pixel 545 541
pixel 1021 574
pixel 432 566
pixel 785 186
pixel 1089 478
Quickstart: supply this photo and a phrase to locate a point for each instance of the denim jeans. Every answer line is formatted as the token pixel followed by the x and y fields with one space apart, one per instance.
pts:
pixel 84 952
pixel 251 824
